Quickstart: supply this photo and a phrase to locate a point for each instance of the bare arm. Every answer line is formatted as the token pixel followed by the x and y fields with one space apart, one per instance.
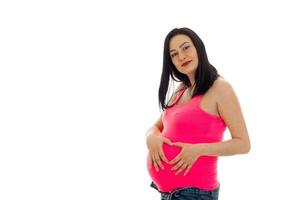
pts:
pixel 230 111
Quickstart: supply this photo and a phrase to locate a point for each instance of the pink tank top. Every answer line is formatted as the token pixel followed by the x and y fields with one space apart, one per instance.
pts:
pixel 188 123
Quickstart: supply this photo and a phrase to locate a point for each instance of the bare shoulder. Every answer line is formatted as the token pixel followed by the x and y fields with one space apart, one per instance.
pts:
pixel 219 86
pixel 226 98
pixel 222 87
pixel 173 96
pixel 230 110
pixel 179 87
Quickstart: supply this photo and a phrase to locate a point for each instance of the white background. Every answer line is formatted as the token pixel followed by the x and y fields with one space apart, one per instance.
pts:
pixel 79 83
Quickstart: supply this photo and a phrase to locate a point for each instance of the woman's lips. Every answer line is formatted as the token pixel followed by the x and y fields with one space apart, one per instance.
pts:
pixel 186 63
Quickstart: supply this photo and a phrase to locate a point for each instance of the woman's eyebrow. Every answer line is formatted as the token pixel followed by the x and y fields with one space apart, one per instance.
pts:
pixel 179 46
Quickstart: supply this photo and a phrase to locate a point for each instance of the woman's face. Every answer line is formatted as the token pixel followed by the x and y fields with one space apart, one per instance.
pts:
pixel 182 50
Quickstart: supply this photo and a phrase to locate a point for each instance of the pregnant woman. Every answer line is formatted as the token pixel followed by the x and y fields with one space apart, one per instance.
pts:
pixel 185 142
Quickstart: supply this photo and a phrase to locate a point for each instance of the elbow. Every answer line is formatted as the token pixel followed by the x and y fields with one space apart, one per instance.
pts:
pixel 243 146
pixel 246 148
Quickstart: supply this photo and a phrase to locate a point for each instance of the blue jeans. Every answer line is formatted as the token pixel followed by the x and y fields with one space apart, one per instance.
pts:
pixel 188 193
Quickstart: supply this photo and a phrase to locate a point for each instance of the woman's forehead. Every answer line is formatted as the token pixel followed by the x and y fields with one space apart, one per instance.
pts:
pixel 178 40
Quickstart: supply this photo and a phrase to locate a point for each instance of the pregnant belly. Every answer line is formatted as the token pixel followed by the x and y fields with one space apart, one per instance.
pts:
pixel 202 173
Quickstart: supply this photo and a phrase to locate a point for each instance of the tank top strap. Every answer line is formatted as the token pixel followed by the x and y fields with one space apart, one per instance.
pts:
pixel 179 95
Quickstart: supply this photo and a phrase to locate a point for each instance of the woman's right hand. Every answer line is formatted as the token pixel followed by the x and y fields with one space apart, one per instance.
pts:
pixel 154 144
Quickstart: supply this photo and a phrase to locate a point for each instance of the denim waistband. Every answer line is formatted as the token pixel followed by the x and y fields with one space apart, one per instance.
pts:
pixel 193 190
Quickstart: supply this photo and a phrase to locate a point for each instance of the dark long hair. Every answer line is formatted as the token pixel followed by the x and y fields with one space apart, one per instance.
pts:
pixel 205 74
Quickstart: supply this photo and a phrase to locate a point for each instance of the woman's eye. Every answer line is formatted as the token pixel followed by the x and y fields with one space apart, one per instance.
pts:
pixel 173 55
pixel 184 48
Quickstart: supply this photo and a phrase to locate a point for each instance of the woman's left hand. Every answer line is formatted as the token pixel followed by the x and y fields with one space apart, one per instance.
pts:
pixel 186 158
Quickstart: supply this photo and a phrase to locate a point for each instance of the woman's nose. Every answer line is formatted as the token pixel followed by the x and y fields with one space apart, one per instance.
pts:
pixel 181 56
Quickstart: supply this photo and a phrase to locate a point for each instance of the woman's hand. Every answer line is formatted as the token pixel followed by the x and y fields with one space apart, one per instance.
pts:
pixel 154 144
pixel 186 158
